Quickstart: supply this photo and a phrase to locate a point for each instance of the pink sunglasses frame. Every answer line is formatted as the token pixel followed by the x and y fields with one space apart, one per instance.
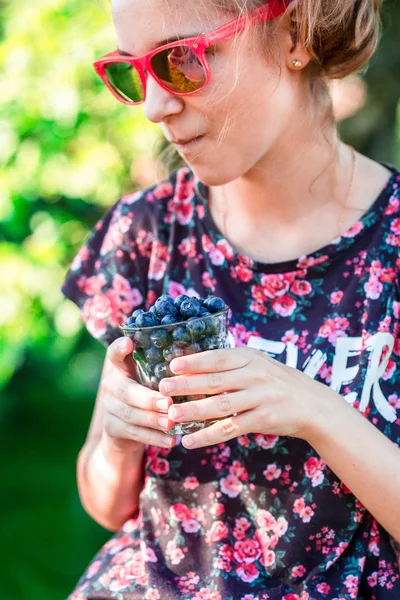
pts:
pixel 199 45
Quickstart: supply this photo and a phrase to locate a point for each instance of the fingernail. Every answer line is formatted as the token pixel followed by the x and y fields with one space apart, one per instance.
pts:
pixel 187 442
pixel 163 422
pixel 168 386
pixel 176 413
pixel 162 404
pixel 122 344
pixel 177 366
pixel 168 440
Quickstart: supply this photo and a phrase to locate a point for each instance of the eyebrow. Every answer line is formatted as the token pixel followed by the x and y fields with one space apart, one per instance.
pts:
pixel 174 38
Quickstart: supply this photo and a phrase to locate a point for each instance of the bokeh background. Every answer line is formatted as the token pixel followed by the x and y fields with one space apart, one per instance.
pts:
pixel 67 151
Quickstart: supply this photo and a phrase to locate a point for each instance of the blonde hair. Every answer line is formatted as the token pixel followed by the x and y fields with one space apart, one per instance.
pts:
pixel 340 36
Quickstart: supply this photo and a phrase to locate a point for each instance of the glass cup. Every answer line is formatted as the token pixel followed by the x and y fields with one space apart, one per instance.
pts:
pixel 155 347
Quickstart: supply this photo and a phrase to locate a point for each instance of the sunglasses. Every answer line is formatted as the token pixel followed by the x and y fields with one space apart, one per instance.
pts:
pixel 180 67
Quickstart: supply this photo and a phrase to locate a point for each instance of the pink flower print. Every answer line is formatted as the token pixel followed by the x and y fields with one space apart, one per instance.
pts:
pixel 265 520
pixel 301 288
pixel 92 286
pixel 281 526
pixel 159 466
pixel 354 230
pixel 242 523
pixel 247 572
pixel 152 594
pixel 241 272
pixel 284 306
pixel 174 553
pixel 395 226
pixel 231 486
pixel 306 513
pixel 394 400
pixel 396 309
pixel 175 289
pixel 393 206
pixel 82 255
pixel 218 532
pixel 266 441
pixel 275 285
pixel 268 558
pixel 112 240
pixel 336 297
pixel 247 551
pixel 191 483
pixel 298 571
pixel 207 281
pixel 206 594
pixel 272 472
pixel 162 190
pixel 187 247
pixel 313 469
pixel 290 337
pixel 239 470
pixel 180 512
pixel 123 557
pixel 217 509
pixel 390 369
pixel 373 288
pixel 191 526
pixel 217 258
pixel 323 588
pixel 373 579
pixel 93 569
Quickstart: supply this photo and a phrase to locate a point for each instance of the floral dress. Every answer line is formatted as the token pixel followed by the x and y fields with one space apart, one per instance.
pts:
pixel 259 517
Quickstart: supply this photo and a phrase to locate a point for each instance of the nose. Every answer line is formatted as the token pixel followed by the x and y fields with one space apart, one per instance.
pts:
pixel 160 103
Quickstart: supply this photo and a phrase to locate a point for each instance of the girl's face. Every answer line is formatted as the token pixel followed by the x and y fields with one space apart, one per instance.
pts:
pixel 247 108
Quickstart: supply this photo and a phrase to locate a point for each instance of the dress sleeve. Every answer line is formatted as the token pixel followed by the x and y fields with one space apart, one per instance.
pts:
pixel 108 278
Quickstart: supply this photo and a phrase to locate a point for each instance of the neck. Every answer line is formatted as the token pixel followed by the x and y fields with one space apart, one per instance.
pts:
pixel 294 193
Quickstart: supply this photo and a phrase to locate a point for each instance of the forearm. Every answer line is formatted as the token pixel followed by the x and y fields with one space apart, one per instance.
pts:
pixel 109 482
pixel 365 460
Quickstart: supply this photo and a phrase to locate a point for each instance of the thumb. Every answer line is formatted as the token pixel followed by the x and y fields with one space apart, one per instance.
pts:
pixel 120 354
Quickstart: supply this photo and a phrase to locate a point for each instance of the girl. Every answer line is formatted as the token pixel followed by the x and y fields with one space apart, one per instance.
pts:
pixel 294 493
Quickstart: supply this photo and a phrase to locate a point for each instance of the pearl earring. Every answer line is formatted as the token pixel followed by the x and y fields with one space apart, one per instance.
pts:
pixel 297 64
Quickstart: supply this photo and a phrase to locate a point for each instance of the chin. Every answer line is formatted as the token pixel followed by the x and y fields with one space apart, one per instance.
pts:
pixel 214 174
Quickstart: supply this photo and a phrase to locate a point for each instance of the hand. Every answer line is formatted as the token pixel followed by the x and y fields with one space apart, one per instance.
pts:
pixel 267 396
pixel 133 414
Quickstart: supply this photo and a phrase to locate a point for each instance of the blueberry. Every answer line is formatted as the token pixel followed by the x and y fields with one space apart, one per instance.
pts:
pixel 172 352
pixel 212 326
pixel 204 312
pixel 209 343
pixel 214 304
pixel 159 338
pixel 161 371
pixel 180 299
pixel 152 310
pixel 147 319
pixel 190 308
pixel 181 337
pixel 166 298
pixel 164 308
pixel 131 322
pixel 137 312
pixel 153 355
pixel 197 327
pixel 141 339
pixel 170 320
pixel 192 349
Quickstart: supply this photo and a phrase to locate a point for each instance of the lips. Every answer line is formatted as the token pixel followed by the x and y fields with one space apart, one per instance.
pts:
pixel 182 142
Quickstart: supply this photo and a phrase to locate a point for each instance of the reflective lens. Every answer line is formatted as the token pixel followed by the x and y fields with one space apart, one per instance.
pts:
pixel 125 79
pixel 179 69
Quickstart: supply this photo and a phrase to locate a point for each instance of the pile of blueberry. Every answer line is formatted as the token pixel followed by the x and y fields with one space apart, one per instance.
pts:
pixel 173 328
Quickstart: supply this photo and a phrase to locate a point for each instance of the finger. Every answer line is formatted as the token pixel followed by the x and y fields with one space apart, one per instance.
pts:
pixel 207 383
pixel 117 429
pixel 133 394
pixel 136 416
pixel 216 407
pixel 212 361
pixel 119 353
pixel 220 432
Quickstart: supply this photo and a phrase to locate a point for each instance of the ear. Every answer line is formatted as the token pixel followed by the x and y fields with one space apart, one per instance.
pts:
pixel 296 55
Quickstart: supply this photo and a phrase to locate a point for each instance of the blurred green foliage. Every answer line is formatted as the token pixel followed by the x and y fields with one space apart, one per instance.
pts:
pixel 67 151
